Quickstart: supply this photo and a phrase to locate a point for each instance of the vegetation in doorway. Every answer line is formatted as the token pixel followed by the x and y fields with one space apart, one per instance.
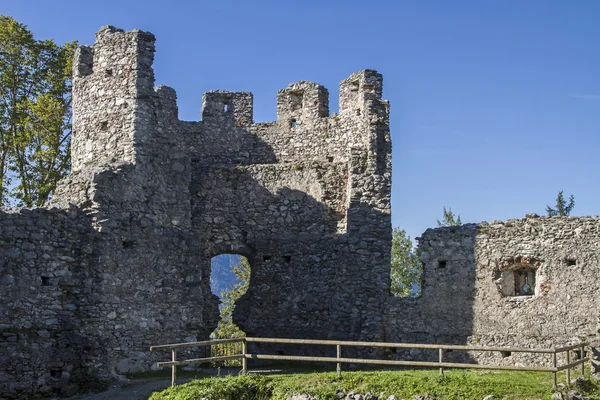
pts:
pixel 226 329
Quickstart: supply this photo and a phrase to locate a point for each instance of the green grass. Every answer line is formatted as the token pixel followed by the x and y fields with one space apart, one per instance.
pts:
pixel 166 374
pixel 454 385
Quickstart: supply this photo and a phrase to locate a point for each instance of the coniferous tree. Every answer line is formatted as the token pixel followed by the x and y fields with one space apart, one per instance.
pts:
pixel 562 209
pixel 449 218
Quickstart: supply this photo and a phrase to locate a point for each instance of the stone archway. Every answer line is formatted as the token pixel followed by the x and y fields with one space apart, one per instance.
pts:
pixel 229 280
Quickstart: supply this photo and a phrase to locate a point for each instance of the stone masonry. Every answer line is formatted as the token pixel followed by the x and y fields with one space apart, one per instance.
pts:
pixel 121 259
pixel 471 281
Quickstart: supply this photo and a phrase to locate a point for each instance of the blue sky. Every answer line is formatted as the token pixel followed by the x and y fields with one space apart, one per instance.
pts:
pixel 495 105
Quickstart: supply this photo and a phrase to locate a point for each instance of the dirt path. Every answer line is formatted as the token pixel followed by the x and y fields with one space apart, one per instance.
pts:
pixel 142 388
pixel 139 389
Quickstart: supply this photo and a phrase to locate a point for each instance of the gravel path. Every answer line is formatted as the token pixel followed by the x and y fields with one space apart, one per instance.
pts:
pixel 142 388
pixel 139 389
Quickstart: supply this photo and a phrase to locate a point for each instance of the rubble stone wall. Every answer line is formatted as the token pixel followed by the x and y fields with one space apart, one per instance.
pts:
pixel 121 259
pixel 469 293
pixel 151 199
pixel 45 285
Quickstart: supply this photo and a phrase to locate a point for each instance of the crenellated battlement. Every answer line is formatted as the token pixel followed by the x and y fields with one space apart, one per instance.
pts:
pixel 115 54
pixel 220 107
pixel 302 103
pixel 358 89
pixel 120 117
pixel 134 48
pixel 113 87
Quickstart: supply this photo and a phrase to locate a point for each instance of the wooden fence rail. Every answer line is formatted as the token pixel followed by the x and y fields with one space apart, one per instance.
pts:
pixel 244 356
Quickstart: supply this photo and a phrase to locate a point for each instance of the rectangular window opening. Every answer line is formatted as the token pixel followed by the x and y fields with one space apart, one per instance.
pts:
pixel 578 355
pixel 524 282
pixel 368 88
pixel 127 244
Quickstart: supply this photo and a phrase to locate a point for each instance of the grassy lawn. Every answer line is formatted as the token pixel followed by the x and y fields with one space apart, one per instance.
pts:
pixel 454 385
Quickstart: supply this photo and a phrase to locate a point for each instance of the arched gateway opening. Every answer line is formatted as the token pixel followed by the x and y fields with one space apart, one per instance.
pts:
pixel 229 280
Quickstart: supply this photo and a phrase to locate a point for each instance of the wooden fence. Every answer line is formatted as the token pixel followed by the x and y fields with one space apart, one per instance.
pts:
pixel 244 356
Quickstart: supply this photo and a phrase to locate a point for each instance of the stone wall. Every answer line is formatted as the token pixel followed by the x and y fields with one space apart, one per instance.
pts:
pixel 80 305
pixel 473 286
pixel 45 290
pixel 151 199
pixel 122 259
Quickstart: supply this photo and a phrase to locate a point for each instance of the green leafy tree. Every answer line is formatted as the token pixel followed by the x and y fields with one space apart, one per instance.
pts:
pixel 449 218
pixel 562 208
pixel 406 269
pixel 35 114
pixel 226 329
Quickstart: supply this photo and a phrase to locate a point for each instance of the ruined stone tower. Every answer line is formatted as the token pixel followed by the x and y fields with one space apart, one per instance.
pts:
pixel 151 199
pixel 299 196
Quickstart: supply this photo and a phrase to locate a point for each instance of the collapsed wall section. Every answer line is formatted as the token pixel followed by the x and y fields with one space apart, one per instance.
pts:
pixel 558 259
pixel 529 282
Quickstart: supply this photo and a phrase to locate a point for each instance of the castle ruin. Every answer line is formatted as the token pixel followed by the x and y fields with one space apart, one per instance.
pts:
pixel 121 260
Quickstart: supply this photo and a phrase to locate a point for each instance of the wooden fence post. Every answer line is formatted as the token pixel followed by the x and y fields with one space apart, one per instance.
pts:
pixel 569 368
pixel 244 360
pixel 582 362
pixel 339 364
pixel 174 367
pixel 441 358
pixel 554 383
